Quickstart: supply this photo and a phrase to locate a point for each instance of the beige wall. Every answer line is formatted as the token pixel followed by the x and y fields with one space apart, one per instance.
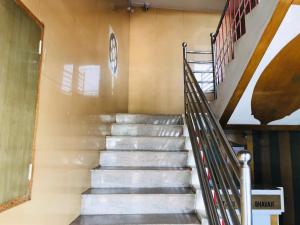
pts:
pixel 76 35
pixel 155 83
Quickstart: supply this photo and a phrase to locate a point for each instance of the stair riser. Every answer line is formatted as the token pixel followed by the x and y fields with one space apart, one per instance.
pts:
pixel 137 204
pixel 145 143
pixel 140 178
pixel 191 159
pixel 147 130
pixel 141 219
pixel 195 179
pixel 200 205
pixel 108 119
pixel 144 159
pixel 148 119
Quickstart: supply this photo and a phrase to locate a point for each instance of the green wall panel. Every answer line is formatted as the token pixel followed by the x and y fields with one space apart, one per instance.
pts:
pixel 19 75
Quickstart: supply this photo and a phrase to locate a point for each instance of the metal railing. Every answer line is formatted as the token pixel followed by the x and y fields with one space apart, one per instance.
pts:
pixel 201 63
pixel 230 28
pixel 224 176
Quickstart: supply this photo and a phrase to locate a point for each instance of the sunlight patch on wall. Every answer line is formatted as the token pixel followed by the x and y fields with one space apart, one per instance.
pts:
pixel 89 80
pixel 67 79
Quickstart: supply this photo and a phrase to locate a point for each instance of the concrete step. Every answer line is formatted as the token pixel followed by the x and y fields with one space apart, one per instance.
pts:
pixel 142 219
pixel 147 130
pixel 99 118
pixel 137 201
pixel 106 177
pixel 149 119
pixel 145 143
pixel 144 158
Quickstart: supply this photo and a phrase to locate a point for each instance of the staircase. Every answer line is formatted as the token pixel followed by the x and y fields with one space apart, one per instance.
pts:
pixel 143 177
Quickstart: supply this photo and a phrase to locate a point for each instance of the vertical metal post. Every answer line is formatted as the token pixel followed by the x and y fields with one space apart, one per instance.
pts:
pixel 184 48
pixel 213 65
pixel 244 158
pixel 184 51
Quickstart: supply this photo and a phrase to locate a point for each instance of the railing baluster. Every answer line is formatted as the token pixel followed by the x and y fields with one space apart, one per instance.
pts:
pixel 213 65
pixel 245 158
pixel 207 196
pixel 233 18
pixel 213 168
pixel 227 175
pixel 221 173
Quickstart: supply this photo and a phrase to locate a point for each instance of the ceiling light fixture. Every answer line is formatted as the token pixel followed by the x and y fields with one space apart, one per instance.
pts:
pixel 146 6
pixel 130 8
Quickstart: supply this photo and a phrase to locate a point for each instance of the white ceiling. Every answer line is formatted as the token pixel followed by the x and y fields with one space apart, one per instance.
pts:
pixel 190 5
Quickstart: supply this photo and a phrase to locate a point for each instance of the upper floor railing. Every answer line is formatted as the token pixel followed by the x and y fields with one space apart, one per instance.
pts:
pixel 224 176
pixel 201 63
pixel 209 66
pixel 231 27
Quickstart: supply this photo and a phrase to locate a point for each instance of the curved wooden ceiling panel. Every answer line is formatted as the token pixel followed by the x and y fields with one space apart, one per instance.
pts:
pixel 277 92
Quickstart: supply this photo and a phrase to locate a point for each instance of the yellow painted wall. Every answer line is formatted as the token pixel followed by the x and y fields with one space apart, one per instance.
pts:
pixel 76 37
pixel 156 80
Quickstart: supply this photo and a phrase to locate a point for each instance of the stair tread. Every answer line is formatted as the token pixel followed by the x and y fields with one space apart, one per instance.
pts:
pixel 144 150
pixel 151 130
pixel 144 159
pixel 142 137
pixel 145 142
pixel 148 119
pixel 137 219
pixel 139 168
pixel 146 114
pixel 169 190
pixel 147 125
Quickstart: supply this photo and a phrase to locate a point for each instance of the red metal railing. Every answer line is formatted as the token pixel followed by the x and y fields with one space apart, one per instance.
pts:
pixel 230 28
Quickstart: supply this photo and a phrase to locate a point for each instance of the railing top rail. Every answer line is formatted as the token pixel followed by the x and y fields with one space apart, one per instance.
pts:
pixel 215 34
pixel 199 52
